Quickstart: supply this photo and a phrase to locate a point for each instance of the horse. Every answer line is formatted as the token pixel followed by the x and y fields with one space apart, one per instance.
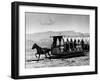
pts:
pixel 41 51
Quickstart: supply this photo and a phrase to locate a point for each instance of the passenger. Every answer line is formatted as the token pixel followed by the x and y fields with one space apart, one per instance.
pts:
pixel 78 45
pixel 75 44
pixel 82 44
pixel 67 45
pixel 71 45
pixel 66 48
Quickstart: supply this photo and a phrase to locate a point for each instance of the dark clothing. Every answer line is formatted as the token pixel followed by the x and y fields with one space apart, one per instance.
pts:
pixel 82 44
pixel 75 44
pixel 71 44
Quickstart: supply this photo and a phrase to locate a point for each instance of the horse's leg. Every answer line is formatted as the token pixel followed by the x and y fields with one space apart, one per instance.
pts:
pixel 36 55
pixel 45 55
pixel 39 57
pixel 49 56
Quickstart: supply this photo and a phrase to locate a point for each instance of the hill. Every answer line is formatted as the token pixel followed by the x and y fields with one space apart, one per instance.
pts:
pixel 43 39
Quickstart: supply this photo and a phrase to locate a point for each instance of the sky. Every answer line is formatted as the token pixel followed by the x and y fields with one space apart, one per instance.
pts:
pixel 42 22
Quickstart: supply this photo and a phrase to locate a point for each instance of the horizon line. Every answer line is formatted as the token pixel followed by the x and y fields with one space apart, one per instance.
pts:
pixel 55 31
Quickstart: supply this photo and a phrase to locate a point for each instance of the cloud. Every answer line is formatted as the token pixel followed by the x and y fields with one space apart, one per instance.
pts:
pixel 47 20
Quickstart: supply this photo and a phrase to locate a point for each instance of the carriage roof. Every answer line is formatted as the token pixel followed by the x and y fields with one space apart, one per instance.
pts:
pixel 57 36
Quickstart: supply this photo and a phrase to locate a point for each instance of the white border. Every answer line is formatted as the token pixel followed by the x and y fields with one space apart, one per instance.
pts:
pixel 53 70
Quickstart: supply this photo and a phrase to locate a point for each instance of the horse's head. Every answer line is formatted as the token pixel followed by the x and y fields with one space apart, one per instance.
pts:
pixel 34 46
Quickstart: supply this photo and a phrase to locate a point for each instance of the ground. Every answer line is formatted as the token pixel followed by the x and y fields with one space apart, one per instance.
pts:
pixel 31 61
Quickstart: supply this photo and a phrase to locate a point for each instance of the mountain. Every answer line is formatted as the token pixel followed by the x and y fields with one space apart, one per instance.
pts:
pixel 46 35
pixel 44 39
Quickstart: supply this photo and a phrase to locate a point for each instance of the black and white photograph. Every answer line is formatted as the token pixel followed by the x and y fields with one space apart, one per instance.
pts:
pixel 56 40
pixel 51 40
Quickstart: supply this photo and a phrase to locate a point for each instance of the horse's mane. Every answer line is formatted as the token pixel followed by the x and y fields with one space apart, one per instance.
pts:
pixel 37 45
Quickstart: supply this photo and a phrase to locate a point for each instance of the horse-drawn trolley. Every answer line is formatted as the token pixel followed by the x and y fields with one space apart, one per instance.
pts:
pixel 63 46
pixel 70 47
